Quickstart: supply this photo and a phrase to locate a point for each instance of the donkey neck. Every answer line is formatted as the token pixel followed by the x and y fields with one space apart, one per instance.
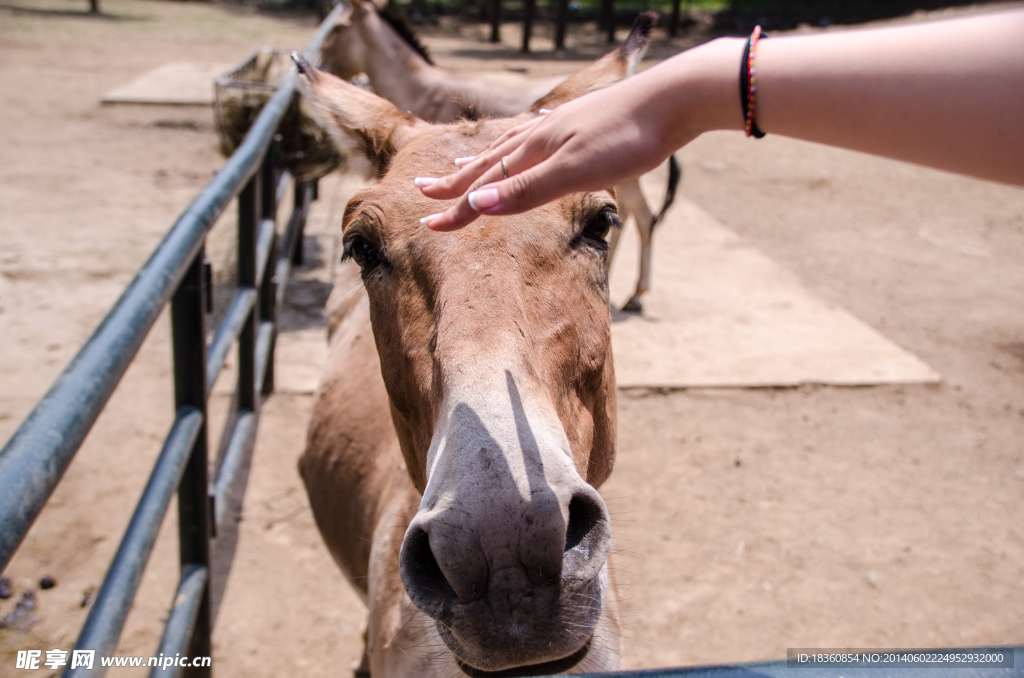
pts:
pixel 398 73
pixel 395 70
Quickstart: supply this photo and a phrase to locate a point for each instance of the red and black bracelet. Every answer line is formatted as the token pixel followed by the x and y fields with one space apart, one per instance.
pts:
pixel 748 84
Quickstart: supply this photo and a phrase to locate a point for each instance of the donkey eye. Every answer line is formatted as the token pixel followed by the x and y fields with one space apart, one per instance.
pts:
pixel 598 226
pixel 364 254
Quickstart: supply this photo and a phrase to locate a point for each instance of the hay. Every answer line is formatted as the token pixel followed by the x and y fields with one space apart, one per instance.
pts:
pixel 305 148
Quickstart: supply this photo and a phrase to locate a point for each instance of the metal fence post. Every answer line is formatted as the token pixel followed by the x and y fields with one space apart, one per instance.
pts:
pixel 495 20
pixel 268 285
pixel 529 10
pixel 561 24
pixel 188 324
pixel 301 198
pixel 608 18
pixel 248 222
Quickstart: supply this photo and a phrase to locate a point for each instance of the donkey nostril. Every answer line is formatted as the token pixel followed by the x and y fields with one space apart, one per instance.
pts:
pixel 586 516
pixel 425 582
pixel 587 539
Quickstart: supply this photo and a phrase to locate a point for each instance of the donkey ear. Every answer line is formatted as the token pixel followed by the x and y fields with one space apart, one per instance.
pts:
pixel 607 70
pixel 360 7
pixel 361 124
pixel 344 19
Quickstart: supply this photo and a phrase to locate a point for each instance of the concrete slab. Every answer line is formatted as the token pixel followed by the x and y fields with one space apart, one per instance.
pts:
pixel 720 313
pixel 188 83
pixel 301 356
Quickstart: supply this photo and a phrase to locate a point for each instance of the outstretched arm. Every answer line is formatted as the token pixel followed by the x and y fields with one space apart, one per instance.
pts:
pixel 947 94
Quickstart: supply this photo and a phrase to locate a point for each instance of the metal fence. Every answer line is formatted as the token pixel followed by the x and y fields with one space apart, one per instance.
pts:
pixel 36 457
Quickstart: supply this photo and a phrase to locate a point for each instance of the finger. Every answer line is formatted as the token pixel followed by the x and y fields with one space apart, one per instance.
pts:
pixel 458 183
pixel 531 188
pixel 464 210
pixel 521 130
pixel 454 185
pixel 528 188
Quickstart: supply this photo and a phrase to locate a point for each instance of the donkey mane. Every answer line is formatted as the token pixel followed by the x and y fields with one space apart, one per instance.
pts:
pixel 401 26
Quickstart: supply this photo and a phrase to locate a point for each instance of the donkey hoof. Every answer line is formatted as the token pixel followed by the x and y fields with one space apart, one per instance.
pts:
pixel 634 305
pixel 361 668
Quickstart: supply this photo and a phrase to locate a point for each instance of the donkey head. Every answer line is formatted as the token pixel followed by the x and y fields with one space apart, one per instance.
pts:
pixel 495 350
pixel 361 32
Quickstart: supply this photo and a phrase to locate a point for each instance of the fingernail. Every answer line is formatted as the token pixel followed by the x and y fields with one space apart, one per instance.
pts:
pixel 426 221
pixel 424 182
pixel 459 162
pixel 483 199
pixel 544 111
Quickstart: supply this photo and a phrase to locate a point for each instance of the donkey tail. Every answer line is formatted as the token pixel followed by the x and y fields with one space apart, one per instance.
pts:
pixel 675 173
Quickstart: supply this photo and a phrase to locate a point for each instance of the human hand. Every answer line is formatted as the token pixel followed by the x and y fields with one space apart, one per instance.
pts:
pixel 936 93
pixel 595 142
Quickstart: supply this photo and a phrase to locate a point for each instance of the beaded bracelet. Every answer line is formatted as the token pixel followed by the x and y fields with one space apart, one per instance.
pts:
pixel 748 84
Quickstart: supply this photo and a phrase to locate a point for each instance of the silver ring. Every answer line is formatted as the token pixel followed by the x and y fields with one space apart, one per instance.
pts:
pixel 504 168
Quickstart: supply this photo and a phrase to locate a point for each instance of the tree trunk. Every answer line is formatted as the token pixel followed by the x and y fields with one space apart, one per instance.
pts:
pixel 94 6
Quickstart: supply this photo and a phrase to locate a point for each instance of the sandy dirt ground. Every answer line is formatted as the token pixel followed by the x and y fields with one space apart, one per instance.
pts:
pixel 746 520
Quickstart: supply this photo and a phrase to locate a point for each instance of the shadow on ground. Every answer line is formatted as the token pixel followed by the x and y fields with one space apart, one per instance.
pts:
pixel 82 13
pixel 306 297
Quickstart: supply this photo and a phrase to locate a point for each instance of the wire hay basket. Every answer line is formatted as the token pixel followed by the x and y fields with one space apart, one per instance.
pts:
pixel 240 94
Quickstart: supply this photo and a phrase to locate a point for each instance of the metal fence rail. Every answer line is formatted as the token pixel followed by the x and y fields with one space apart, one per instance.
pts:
pixel 1012 668
pixel 35 459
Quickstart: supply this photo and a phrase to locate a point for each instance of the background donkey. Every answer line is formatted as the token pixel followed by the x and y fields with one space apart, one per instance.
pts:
pixel 453 461
pixel 379 43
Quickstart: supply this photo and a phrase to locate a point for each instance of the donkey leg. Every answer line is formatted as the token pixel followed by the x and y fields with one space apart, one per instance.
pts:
pixel 361 668
pixel 632 198
pixel 643 283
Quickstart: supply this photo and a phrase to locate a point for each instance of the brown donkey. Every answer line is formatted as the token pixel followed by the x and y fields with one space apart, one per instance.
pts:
pixel 378 42
pixel 466 414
